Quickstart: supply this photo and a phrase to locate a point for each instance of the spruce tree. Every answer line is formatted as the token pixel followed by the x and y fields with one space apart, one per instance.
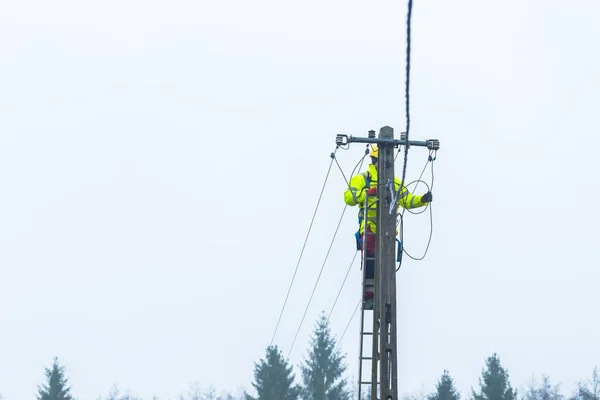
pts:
pixel 55 387
pixel 445 389
pixel 494 382
pixel 323 369
pixel 544 391
pixel 273 378
pixel 589 390
pixel 210 393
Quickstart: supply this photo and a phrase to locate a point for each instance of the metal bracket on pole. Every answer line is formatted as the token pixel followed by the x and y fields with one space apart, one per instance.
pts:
pixel 431 144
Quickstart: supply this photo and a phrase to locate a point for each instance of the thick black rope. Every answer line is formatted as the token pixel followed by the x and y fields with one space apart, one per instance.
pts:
pixel 407 91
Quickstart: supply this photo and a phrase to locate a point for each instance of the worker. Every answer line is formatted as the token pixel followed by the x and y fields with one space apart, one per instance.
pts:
pixel 360 185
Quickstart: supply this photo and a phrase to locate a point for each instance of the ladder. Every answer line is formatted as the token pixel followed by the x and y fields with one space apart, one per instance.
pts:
pixel 373 334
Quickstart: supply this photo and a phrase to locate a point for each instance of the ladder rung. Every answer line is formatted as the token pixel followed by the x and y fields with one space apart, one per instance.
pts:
pixel 368 383
pixel 367 333
pixel 366 358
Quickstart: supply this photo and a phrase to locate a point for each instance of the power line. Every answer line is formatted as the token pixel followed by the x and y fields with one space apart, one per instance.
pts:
pixel 342 286
pixel 417 181
pixel 401 220
pixel 358 165
pixel 304 245
pixel 318 278
pixel 430 216
pixel 347 325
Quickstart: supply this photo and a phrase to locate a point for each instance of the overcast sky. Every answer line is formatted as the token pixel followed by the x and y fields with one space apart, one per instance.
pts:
pixel 160 164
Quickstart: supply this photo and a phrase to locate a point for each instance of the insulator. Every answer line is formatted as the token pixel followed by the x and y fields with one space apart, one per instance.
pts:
pixel 341 139
pixel 433 144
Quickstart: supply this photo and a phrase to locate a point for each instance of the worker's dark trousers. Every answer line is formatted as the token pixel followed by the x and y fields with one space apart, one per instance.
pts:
pixel 369 264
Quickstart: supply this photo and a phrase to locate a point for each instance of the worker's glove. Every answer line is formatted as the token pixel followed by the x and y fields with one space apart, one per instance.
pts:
pixel 426 198
pixel 372 191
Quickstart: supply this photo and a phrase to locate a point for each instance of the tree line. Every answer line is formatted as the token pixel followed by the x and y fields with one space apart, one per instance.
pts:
pixel 322 377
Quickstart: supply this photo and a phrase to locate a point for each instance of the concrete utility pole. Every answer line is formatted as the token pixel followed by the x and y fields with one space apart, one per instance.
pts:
pixel 384 311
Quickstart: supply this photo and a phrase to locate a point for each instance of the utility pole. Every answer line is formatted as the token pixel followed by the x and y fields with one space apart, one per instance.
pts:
pixel 385 268
pixel 384 311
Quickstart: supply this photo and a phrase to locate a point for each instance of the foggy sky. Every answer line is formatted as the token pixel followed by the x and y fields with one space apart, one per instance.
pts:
pixel 160 164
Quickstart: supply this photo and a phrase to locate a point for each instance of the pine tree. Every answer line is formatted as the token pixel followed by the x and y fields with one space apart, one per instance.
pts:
pixel 210 393
pixel 445 389
pixel 322 370
pixel 273 378
pixel 194 391
pixel 494 382
pixel 115 394
pixel 56 385
pixel 589 390
pixel 545 391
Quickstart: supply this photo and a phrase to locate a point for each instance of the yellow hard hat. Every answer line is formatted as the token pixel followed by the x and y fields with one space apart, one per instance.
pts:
pixel 374 151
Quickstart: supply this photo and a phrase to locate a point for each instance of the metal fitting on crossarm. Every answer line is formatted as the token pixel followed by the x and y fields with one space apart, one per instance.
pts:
pixel 403 138
pixel 341 139
pixel 433 144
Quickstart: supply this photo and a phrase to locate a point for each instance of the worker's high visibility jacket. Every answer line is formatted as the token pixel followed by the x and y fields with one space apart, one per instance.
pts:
pixel 359 184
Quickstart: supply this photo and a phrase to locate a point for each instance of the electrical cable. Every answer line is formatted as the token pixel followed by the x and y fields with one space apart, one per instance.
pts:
pixel 358 165
pixel 342 286
pixel 428 241
pixel 304 245
pixel 401 220
pixel 317 282
pixel 347 326
pixel 429 159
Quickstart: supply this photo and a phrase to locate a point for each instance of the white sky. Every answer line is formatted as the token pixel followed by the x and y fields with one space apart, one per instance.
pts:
pixel 160 163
